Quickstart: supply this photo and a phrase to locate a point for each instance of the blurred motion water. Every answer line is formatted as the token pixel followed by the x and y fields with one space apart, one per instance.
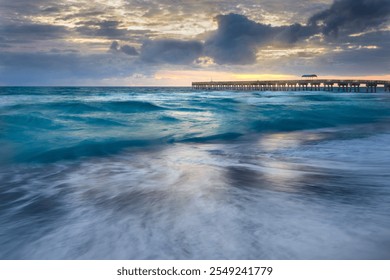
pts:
pixel 171 173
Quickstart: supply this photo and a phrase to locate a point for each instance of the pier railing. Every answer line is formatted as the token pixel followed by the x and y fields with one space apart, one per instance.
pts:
pixel 293 85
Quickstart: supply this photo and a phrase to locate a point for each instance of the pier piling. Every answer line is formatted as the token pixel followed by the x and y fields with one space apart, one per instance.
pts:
pixel 295 85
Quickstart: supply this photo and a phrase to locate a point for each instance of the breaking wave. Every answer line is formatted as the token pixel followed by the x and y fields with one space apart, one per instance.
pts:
pixel 160 173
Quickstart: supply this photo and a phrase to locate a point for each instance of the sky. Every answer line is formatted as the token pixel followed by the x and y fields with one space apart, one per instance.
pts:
pixel 172 42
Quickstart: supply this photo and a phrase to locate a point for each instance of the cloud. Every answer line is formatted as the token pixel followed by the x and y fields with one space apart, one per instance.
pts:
pixel 294 33
pixel 129 50
pixel 351 16
pixel 170 51
pixel 114 47
pixel 105 28
pixel 237 38
pixel 363 55
pixel 359 61
pixel 28 7
pixel 126 49
pixel 32 32
pixel 51 10
pixel 24 68
pixel 90 13
pixel 69 40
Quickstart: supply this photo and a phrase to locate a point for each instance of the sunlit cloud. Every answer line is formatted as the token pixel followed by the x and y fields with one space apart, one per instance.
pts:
pixel 200 40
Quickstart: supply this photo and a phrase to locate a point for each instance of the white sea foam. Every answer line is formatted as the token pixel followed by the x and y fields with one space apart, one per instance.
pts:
pixel 124 173
pixel 223 201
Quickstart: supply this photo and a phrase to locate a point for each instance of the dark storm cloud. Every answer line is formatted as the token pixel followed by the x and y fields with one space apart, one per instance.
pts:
pixel 170 51
pixel 126 49
pixel 129 50
pixel 294 33
pixel 351 16
pixel 237 38
pixel 241 36
pixel 31 32
pixel 114 47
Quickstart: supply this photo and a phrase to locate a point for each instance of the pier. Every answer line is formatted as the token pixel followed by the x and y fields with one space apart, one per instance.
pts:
pixel 294 85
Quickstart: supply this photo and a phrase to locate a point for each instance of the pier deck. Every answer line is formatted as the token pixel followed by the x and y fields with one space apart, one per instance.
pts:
pixel 293 85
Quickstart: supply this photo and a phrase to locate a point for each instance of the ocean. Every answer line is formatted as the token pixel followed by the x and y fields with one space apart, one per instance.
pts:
pixel 175 173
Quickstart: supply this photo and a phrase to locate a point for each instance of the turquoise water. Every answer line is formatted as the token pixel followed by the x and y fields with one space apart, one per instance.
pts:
pixel 172 173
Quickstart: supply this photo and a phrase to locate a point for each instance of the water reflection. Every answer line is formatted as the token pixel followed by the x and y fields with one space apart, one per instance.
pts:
pixel 275 141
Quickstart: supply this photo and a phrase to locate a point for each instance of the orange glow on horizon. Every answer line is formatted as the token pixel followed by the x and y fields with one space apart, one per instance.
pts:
pixel 372 77
pixel 185 77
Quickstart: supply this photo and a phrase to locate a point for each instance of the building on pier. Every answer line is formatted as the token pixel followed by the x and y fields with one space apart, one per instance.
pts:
pixel 312 76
